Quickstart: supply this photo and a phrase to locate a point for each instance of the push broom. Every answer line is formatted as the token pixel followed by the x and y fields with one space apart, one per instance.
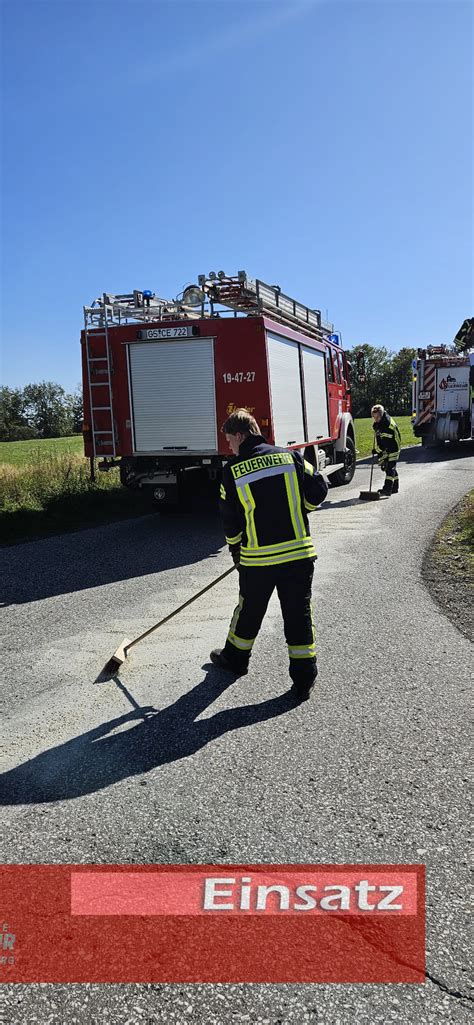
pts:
pixel 119 656
pixel 370 496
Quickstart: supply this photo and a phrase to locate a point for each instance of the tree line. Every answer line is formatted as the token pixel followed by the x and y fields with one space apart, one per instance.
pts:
pixel 43 410
pixel 46 410
pixel 387 379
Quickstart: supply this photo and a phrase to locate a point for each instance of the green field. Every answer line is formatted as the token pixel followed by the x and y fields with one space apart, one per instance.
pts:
pixel 17 453
pixel 365 434
pixel 45 486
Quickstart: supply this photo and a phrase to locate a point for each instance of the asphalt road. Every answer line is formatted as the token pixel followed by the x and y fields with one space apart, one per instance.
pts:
pixel 372 769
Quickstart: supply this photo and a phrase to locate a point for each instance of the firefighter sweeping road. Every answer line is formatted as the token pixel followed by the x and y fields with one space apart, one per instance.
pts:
pixel 171 761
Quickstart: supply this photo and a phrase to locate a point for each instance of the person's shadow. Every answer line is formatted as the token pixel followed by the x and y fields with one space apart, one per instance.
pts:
pixel 99 758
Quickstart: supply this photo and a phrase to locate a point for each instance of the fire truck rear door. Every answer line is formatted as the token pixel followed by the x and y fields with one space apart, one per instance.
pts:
pixel 172 388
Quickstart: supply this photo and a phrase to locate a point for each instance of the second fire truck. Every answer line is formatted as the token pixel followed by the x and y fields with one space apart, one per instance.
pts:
pixel 443 389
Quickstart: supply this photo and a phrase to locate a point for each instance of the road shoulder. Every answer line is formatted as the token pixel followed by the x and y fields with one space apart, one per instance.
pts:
pixel 448 565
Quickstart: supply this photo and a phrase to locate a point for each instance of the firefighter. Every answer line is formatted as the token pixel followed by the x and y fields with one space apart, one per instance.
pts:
pixel 387 444
pixel 266 495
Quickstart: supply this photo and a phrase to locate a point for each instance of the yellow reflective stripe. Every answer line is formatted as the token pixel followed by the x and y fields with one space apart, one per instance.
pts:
pixel 308 506
pixel 294 504
pixel 222 492
pixel 234 540
pixel 255 554
pixel 236 614
pixel 240 642
pixel 282 546
pixel 248 503
pixel 253 532
pixel 302 651
pixel 291 503
pixel 299 511
pixel 278 560
pixel 308 468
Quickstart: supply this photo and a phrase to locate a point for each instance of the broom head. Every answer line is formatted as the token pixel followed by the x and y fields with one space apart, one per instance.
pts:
pixel 118 657
pixel 369 496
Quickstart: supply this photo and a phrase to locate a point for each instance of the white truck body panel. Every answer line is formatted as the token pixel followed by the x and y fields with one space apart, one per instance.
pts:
pixel 285 389
pixel 452 389
pixel 315 393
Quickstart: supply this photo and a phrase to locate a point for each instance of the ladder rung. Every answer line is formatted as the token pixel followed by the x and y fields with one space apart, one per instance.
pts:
pixel 102 432
pixel 99 384
pixel 97 359
pixel 101 409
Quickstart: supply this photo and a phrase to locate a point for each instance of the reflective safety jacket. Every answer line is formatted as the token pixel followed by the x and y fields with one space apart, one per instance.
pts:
pixel 387 439
pixel 266 494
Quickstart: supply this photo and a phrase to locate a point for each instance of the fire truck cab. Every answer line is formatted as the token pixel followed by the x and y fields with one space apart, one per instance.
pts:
pixel 160 378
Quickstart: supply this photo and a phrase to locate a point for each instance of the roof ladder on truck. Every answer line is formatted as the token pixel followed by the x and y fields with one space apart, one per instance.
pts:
pixel 254 297
pixel 99 378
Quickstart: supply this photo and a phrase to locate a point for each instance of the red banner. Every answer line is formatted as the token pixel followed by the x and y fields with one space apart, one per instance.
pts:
pixel 212 923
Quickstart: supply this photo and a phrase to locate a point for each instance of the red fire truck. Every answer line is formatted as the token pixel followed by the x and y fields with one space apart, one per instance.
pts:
pixel 160 377
pixel 443 379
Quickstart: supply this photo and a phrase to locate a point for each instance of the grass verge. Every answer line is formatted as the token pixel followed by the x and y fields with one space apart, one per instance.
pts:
pixel 55 495
pixel 448 566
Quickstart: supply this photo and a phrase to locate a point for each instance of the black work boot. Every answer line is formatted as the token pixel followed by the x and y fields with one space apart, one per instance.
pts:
pixel 395 488
pixel 301 689
pixel 218 658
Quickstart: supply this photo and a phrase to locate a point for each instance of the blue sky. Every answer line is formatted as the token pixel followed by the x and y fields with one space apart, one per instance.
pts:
pixel 323 146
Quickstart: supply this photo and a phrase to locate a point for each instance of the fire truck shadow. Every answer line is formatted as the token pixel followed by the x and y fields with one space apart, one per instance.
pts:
pixel 104 555
pixel 118 750
pixel 451 450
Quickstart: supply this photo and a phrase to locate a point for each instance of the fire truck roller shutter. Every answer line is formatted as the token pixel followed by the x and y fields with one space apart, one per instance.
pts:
pixel 285 386
pixel 315 394
pixel 173 395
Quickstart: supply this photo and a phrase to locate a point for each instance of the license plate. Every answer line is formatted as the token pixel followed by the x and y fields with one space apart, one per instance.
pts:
pixel 425 395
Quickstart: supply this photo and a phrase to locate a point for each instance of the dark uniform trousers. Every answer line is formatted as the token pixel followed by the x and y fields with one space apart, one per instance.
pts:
pixel 391 484
pixel 293 583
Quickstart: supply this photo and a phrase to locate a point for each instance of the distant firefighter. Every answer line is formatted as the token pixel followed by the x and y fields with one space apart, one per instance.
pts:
pixel 387 443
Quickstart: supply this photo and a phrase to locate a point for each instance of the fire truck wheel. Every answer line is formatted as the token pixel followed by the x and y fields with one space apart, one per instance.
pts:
pixel 345 476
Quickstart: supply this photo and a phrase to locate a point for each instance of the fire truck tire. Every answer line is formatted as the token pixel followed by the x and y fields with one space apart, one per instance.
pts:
pixel 345 476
